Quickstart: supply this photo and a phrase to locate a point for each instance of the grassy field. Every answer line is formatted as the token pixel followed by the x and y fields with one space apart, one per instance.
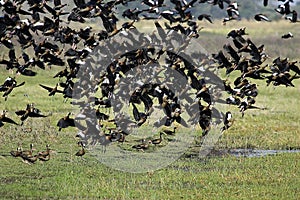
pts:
pixel 219 176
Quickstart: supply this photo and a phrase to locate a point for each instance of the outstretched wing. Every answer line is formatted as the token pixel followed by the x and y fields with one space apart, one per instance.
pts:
pixel 20 84
pixel 46 87
pixel 33 114
pixel 136 113
pixel 8 120
pixel 20 112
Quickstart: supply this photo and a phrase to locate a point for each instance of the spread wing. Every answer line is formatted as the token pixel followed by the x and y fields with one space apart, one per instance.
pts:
pixel 20 112
pixel 20 84
pixel 33 114
pixel 8 120
pixel 46 87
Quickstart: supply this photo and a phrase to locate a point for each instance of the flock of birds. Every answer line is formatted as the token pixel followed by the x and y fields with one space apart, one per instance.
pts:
pixel 44 35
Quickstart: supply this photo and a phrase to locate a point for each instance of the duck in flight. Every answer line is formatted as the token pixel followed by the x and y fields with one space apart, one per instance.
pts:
pixel 8 86
pixel 5 119
pixel 52 91
pixel 30 111
pixel 261 17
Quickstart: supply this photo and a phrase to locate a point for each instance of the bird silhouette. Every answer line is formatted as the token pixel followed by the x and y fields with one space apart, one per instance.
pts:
pixel 158 140
pixel 5 119
pixel 30 111
pixel 52 91
pixel 261 17
pixel 8 86
pixel 287 36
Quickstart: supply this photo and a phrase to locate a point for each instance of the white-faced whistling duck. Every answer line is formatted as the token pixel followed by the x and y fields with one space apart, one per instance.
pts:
pixel 3 118
pixel 16 153
pixel 287 36
pixel 8 86
pixel 52 91
pixel 261 17
pixel 294 17
pixel 118 135
pixel 65 122
pixel 81 152
pixel 281 9
pixel 158 140
pixel 139 117
pixel 170 132
pixel 247 103
pixel 27 152
pixel 143 146
pixel 62 73
pixel 28 157
pixel 228 121
pixel 30 111
pixel 45 155
pixel 121 138
pixel 58 5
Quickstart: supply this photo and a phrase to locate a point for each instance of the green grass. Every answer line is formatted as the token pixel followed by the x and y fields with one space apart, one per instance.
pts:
pixel 216 177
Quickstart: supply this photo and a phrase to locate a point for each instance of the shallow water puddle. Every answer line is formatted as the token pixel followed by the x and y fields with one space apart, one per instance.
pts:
pixel 258 152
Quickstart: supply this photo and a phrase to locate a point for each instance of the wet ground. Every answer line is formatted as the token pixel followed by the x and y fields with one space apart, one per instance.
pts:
pixel 258 152
pixel 248 153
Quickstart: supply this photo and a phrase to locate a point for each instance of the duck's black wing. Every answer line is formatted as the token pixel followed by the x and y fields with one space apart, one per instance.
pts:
pixel 20 112
pixel 46 87
pixel 8 120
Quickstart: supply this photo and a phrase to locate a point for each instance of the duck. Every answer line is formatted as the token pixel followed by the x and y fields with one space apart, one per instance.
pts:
pixel 287 36
pixel 248 103
pixel 30 111
pixel 52 91
pixel 261 17
pixel 294 17
pixel 3 118
pixel 228 121
pixel 27 156
pixel 45 155
pixel 8 88
pixel 81 152
pixel 62 73
pixel 170 132
pixel 118 135
pixel 16 153
pixel 121 138
pixel 139 117
pixel 158 140
pixel 100 115
pixel 26 153
pixel 143 146
pixel 30 159
pixel 65 122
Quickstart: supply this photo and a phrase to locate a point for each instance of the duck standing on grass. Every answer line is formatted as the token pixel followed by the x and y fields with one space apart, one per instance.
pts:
pixel 158 140
pixel 27 156
pixel 45 155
